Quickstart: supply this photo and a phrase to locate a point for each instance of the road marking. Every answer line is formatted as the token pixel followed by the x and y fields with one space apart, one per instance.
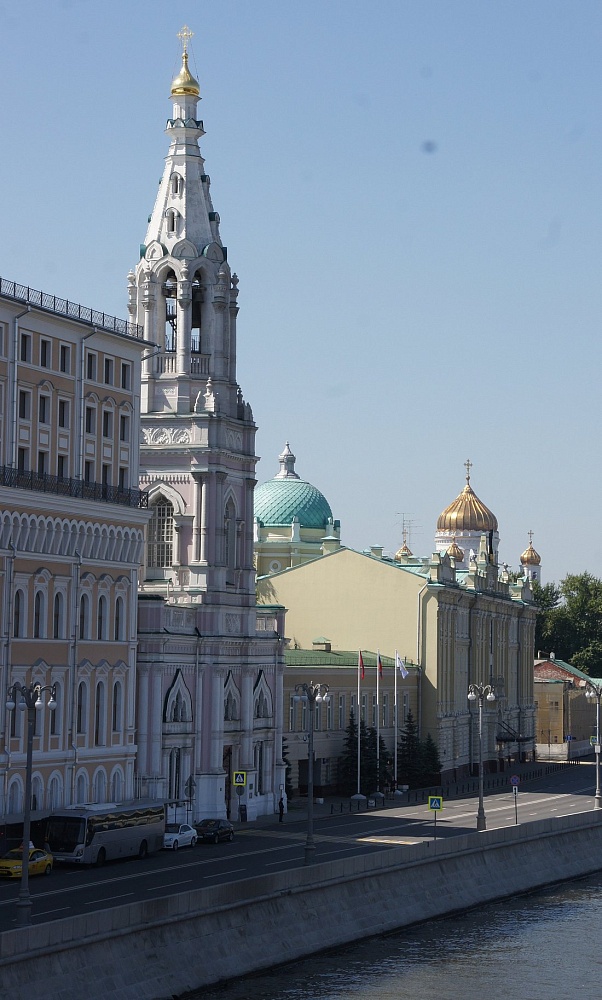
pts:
pixel 44 913
pixel 217 874
pixel 107 899
pixel 157 888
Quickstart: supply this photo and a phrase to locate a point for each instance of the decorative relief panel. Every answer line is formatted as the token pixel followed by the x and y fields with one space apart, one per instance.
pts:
pixel 162 436
pixel 233 439
pixel 233 625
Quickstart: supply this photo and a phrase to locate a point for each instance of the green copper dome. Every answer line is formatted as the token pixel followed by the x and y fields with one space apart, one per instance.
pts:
pixel 286 496
pixel 280 500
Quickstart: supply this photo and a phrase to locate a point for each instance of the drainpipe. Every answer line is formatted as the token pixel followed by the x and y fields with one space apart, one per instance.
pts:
pixel 11 452
pixel 418 660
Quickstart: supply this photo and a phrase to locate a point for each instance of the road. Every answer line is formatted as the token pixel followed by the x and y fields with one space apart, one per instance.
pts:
pixel 269 846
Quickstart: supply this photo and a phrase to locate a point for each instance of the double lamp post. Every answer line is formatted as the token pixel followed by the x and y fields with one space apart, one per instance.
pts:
pixel 28 698
pixel 595 691
pixel 312 694
pixel 481 693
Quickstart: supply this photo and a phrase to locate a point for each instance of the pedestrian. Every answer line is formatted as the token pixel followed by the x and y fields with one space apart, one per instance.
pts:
pixel 281 810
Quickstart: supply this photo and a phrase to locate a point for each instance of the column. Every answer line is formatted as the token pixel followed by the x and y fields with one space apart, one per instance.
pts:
pixel 143 720
pixel 220 548
pixel 184 318
pixel 279 711
pixel 233 313
pixel 246 718
pixel 217 719
pixel 196 522
pixel 247 561
pixel 203 514
pixel 156 722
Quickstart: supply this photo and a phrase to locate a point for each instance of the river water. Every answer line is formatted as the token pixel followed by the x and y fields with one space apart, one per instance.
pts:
pixel 543 946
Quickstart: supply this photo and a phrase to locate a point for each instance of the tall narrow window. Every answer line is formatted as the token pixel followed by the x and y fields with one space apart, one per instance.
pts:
pixel 160 534
pixel 82 708
pixel 18 613
pixel 119 622
pixel 25 347
pixel 63 413
pixel 90 420
pixel 107 424
pixel 101 632
pixel 65 359
pixel 42 463
pixel 84 617
pixel 62 469
pixel 38 615
pixel 109 371
pixel 126 375
pixel 57 617
pixel 116 707
pixel 99 715
pixel 124 427
pixel 91 367
pixel 44 409
pixel 23 460
pixel 230 534
pixel 88 472
pixel 45 353
pixel 24 404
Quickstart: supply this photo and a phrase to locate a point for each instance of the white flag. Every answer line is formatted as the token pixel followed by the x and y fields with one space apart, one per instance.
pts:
pixel 400 665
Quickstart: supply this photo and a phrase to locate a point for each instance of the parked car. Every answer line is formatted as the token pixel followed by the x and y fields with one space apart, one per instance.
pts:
pixel 215 830
pixel 179 835
pixel 40 863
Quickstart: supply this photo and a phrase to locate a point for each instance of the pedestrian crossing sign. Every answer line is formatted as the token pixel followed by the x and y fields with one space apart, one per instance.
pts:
pixel 435 803
pixel 239 778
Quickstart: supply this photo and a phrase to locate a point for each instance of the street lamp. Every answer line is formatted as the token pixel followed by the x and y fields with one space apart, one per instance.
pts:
pixel 30 698
pixel 313 694
pixel 481 692
pixel 595 691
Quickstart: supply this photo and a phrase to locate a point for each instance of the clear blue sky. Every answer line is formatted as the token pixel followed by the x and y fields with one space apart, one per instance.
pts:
pixel 410 193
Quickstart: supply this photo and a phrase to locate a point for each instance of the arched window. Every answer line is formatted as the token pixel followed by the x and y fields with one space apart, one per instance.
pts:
pixel 39 615
pixel 81 789
pixel 99 715
pixel 171 216
pixel 82 708
pixel 177 184
pixel 15 797
pixel 100 786
pixel 54 792
pixel 117 707
pixel 178 709
pixel 58 624
pixel 84 617
pixel 119 619
pixel 230 708
pixel 160 534
pixel 19 611
pixel 230 534
pixel 116 786
pixel 174 774
pixel 262 709
pixel 101 623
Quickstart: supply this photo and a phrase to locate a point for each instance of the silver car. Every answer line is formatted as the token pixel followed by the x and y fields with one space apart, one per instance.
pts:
pixel 179 835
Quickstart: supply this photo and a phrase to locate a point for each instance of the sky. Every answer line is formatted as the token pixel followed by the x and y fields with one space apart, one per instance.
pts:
pixel 410 193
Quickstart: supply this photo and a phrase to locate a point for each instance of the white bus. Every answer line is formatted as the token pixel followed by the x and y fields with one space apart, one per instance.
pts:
pixel 93 834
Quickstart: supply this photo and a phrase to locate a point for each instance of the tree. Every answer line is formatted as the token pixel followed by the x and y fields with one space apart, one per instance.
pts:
pixel 288 784
pixel 569 621
pixel 408 754
pixel 430 762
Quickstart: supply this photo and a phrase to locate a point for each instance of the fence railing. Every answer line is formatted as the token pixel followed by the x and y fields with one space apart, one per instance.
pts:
pixel 41 482
pixel 43 300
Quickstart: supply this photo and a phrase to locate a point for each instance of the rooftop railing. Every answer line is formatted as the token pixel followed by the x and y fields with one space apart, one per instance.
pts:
pixel 63 307
pixel 41 482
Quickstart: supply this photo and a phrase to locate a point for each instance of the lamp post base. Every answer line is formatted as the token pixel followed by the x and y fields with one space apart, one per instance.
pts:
pixel 481 821
pixel 598 801
pixel 309 853
pixel 23 912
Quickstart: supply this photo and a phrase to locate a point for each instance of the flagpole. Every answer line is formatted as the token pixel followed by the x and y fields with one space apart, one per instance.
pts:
pixel 395 722
pixel 359 667
pixel 378 669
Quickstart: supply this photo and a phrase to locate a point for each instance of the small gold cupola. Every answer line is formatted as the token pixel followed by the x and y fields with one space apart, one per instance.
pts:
pixel 530 557
pixel 185 85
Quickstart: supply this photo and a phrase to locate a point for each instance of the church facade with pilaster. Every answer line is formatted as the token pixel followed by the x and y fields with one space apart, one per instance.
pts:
pixel 209 673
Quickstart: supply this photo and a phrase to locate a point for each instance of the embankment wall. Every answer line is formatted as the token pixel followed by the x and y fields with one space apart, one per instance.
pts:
pixel 163 947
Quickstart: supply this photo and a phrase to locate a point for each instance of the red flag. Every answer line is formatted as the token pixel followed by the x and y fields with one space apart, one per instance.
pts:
pixel 379 664
pixel 360 664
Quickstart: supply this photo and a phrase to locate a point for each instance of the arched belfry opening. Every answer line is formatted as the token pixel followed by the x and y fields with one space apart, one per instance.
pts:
pixel 196 339
pixel 170 293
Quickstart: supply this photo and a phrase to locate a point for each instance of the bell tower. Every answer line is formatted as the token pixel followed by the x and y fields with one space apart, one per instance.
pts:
pixel 209 674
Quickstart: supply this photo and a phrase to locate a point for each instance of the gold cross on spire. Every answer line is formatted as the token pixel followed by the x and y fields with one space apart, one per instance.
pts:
pixel 468 467
pixel 530 534
pixel 185 34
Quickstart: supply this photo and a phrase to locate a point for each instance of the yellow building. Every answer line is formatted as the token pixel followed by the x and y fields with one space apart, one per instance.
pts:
pixel 71 540
pixel 459 626
pixel 562 709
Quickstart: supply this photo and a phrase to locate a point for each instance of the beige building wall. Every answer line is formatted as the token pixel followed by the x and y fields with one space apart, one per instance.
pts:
pixel 71 541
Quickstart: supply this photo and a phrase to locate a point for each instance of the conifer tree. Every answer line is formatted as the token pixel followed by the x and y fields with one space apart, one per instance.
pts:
pixel 430 762
pixel 408 754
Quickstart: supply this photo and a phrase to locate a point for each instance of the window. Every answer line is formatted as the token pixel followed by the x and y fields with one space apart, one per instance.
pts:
pixel 101 623
pixel 99 715
pixel 108 371
pixel 117 706
pixel 42 463
pixel 364 709
pixel 385 710
pixel 63 413
pixel 291 713
pixel 90 420
pixel 106 475
pixel 24 404
pixel 342 720
pixel 124 427
pixel 123 479
pixel 160 534
pixel 62 468
pixel 38 616
pixel 44 409
pixel 91 367
pixel 329 714
pixel 82 708
pixel 107 423
pixel 126 376
pixel 26 347
pixel 230 534
pixel 84 617
pixel 65 359
pixel 171 222
pixel 23 460
pixel 18 614
pixel 119 619
pixel 88 472
pixel 57 617
pixel 45 354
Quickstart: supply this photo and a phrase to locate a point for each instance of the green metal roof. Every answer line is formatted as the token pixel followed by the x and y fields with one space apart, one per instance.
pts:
pixel 278 501
pixel 342 658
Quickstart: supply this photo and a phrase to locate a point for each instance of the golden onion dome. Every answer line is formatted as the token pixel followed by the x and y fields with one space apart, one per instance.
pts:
pixel 455 552
pixel 185 84
pixel 402 553
pixel 467 513
pixel 530 557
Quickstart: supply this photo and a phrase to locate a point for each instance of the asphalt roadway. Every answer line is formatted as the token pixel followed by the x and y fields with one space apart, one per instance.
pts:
pixel 268 846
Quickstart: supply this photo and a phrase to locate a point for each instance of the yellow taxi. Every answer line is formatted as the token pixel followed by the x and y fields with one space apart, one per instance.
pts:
pixel 40 863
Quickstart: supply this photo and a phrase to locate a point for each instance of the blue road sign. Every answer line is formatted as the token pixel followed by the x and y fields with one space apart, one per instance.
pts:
pixel 435 803
pixel 515 780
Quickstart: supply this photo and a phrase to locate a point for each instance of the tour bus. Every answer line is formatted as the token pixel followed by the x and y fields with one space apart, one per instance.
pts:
pixel 93 834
